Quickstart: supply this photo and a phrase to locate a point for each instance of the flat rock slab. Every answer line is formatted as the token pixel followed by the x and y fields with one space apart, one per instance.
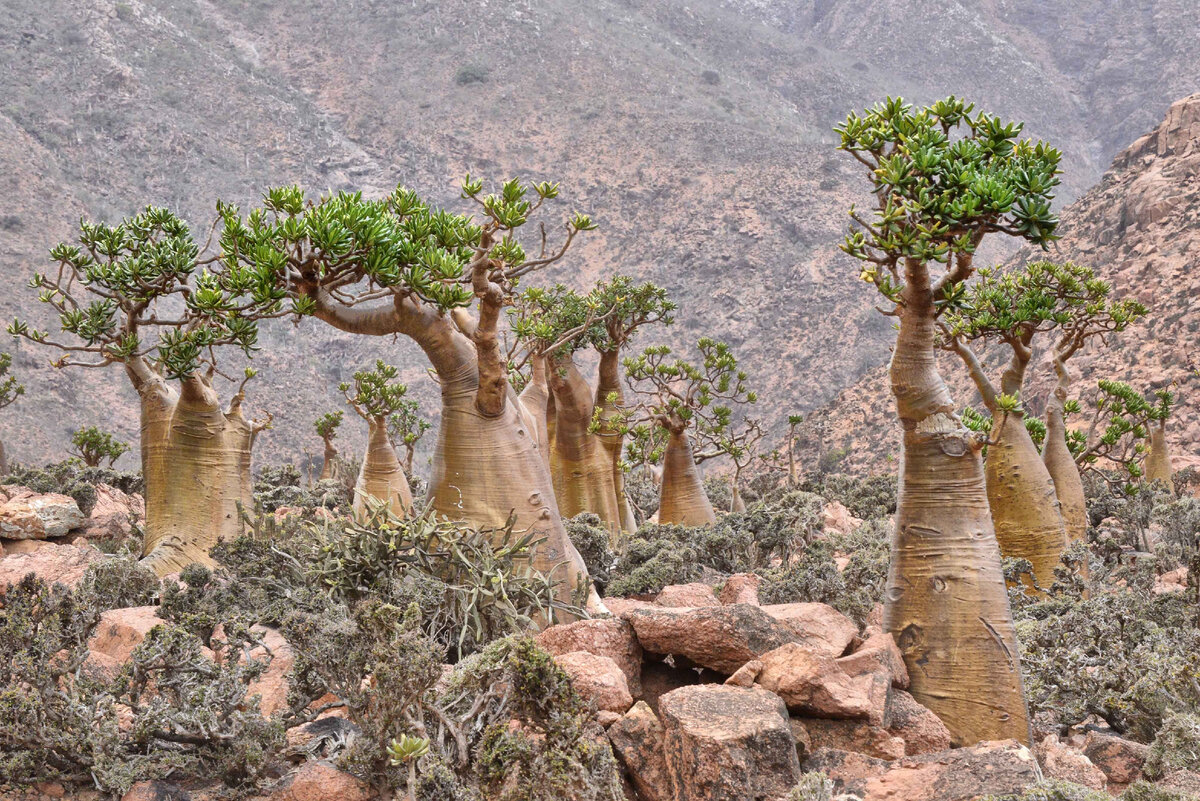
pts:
pixel 721 638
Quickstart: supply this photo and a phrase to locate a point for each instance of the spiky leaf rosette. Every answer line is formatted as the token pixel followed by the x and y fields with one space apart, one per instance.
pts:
pixel 376 393
pixel 146 273
pixel 943 179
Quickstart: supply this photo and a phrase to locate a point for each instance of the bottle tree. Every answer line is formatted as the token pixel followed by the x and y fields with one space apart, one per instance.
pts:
pixel 10 390
pixel 406 427
pixel 679 403
pixel 1016 309
pixel 136 294
pixel 395 265
pixel 942 180
pixel 739 443
pixel 1118 443
pixel 374 395
pixel 1158 459
pixel 554 325
pixel 327 426
pixel 93 446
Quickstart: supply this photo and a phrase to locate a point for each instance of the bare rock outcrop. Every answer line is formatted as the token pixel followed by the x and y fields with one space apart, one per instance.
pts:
pixel 722 638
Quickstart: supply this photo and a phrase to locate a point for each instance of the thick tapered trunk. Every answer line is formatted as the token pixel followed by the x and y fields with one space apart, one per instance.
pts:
pixel 1060 463
pixel 609 400
pixel 1021 494
pixel 681 496
pixel 329 466
pixel 946 602
pixel 736 502
pixel 381 478
pixel 584 482
pixel 196 468
pixel 535 400
pixel 487 468
pixel 1158 459
pixel 3 460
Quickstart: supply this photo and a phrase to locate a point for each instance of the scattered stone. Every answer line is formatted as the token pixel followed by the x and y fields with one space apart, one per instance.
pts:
pixel 813 684
pixel 746 674
pixel 853 735
pixel 726 743
pixel 619 607
pixel 847 769
pixel 1120 759
pixel 113 515
pixel 56 564
pixel 722 638
pixel 1061 761
pixel 156 790
pixel 804 745
pixel 687 595
pixel 607 718
pixel 319 781
pixel 818 627
pixel 923 731
pixel 597 679
pixel 611 637
pixel 323 738
pixel 272 686
pixel 987 768
pixel 30 515
pixel 740 588
pixel 122 630
pixel 637 740
pixel 838 520
pixel 879 650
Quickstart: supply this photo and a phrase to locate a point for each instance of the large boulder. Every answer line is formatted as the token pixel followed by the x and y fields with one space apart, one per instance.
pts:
pixel 1061 761
pixel 611 637
pixel 923 732
pixel 878 650
pixel 122 630
pixel 637 740
pixel 813 684
pixel 597 679
pixel 113 515
pixel 837 519
pixel 818 627
pixel 987 768
pixel 56 564
pixel 740 588
pixel 722 638
pixel 681 596
pixel 1120 760
pixel 319 781
pixel 727 744
pixel 30 515
pixel 859 736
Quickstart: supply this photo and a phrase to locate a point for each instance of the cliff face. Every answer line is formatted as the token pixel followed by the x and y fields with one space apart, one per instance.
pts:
pixel 699 136
pixel 1140 229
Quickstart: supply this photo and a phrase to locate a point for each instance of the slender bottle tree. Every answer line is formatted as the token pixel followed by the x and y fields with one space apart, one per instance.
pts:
pixel 327 426
pixel 678 404
pixel 374 395
pixel 135 294
pixel 406 427
pixel 10 390
pixel 398 266
pixel 942 180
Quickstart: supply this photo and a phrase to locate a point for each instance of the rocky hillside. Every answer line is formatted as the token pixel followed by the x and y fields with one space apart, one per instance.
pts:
pixel 1140 229
pixel 698 136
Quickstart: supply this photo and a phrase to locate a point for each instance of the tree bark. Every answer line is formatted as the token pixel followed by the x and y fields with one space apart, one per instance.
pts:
pixel 681 497
pixel 1158 459
pixel 329 465
pixel 946 602
pixel 196 468
pixel 610 397
pixel 535 399
pixel 585 478
pixel 1068 483
pixel 3 460
pixel 381 477
pixel 1025 508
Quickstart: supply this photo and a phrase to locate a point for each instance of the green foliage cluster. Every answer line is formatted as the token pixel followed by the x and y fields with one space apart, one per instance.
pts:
pixel 1053 790
pixel 327 424
pixel 10 388
pixel 1176 746
pixel 376 392
pixel 591 538
pixel 276 487
pixel 814 786
pixel 1124 417
pixel 866 498
pixel 94 446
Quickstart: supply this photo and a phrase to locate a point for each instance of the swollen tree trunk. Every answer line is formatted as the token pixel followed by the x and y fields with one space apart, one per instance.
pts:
pixel 584 482
pixel 1025 509
pixel 330 468
pixel 1158 460
pixel 1068 484
pixel 736 502
pixel 3 460
pixel 609 400
pixel 196 468
pixel 535 400
pixel 946 602
pixel 381 477
pixel 681 497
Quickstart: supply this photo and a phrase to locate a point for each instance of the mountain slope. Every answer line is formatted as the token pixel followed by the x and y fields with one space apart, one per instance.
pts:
pixel 1139 228
pixel 698 136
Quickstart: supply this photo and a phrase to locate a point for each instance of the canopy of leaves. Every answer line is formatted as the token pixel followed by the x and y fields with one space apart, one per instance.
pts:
pixel 10 388
pixel 943 179
pixel 328 423
pixel 406 425
pixel 94 446
pixel 146 272
pixel 376 392
pixel 1120 429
